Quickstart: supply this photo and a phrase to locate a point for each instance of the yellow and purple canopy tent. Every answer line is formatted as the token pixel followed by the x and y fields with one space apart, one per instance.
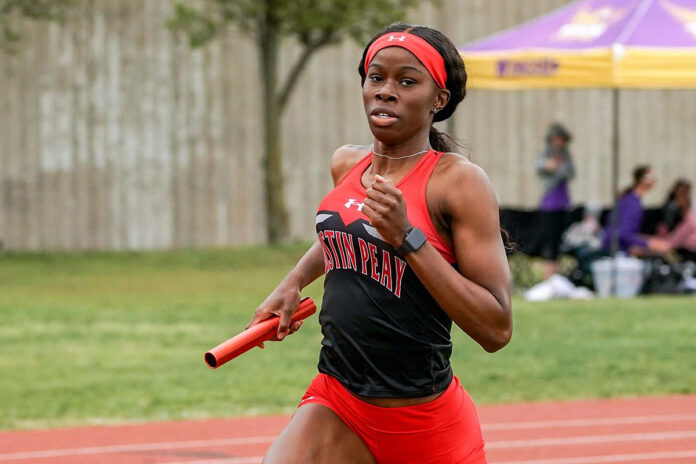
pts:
pixel 592 43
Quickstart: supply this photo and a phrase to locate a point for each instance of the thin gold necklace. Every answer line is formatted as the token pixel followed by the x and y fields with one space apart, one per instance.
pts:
pixel 400 157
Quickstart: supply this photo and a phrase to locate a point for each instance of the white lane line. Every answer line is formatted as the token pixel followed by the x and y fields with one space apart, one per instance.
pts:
pixel 611 458
pixel 134 447
pixel 269 439
pixel 590 439
pixel 588 422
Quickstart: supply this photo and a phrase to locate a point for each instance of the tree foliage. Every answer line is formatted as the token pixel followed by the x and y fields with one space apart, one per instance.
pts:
pixel 313 24
pixel 12 11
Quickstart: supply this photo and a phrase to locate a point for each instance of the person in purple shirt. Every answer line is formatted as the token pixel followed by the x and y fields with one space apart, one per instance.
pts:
pixel 623 230
pixel 555 168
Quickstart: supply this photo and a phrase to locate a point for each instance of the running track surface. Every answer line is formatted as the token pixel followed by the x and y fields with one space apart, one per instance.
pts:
pixel 637 431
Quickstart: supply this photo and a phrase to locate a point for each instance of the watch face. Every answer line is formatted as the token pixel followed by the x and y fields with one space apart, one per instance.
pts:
pixel 415 239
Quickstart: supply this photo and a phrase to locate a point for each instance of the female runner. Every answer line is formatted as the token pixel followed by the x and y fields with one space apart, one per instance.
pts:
pixel 409 241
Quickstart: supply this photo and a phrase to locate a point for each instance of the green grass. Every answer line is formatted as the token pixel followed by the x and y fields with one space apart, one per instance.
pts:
pixel 105 338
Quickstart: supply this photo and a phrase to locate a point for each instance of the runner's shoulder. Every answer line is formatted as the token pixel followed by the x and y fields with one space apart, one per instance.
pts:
pixel 462 181
pixel 345 158
pixel 456 168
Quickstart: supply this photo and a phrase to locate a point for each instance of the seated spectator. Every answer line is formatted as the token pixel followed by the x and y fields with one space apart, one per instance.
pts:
pixel 683 238
pixel 678 201
pixel 623 228
pixel 679 220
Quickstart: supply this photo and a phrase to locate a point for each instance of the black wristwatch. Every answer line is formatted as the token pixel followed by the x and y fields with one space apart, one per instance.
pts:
pixel 413 240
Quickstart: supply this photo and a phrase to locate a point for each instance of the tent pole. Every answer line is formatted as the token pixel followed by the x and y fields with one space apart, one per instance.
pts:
pixel 615 185
pixel 615 144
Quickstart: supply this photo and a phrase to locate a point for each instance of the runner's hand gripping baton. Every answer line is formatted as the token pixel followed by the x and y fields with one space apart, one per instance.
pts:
pixel 255 335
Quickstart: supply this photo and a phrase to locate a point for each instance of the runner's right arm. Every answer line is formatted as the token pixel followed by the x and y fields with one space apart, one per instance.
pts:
pixel 283 301
pixel 285 298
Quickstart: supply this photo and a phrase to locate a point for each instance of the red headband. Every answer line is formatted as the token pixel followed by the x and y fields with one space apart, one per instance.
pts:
pixel 426 53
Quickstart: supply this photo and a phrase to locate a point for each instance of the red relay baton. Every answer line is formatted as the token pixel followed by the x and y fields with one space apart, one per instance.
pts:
pixel 255 335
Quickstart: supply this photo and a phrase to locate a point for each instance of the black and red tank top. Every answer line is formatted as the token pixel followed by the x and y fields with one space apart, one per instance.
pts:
pixel 384 333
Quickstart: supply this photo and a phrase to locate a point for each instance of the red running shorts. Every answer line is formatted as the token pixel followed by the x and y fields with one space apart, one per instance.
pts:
pixel 443 431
